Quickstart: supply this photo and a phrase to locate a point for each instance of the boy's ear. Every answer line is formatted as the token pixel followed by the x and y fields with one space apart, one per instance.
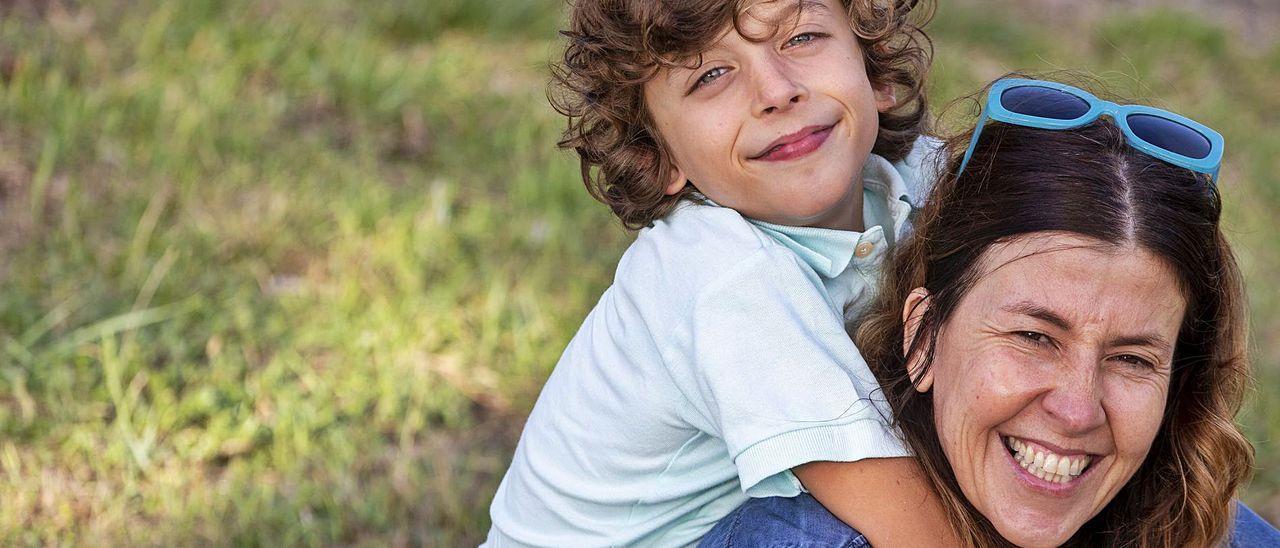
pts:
pixel 676 181
pixel 886 97
pixel 912 311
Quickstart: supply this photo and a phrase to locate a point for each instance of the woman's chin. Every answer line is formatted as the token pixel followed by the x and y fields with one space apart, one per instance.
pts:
pixel 1030 529
pixel 1029 538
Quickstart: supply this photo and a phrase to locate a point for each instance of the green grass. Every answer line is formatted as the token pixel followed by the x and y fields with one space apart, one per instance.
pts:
pixel 295 271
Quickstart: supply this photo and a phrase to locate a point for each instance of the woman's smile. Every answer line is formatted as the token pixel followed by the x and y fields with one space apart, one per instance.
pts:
pixel 1044 470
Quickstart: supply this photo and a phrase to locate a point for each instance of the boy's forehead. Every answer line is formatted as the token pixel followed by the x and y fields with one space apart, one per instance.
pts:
pixel 773 9
pixel 760 20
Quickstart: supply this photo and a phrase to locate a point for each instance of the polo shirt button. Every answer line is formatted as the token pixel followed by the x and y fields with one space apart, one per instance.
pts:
pixel 863 249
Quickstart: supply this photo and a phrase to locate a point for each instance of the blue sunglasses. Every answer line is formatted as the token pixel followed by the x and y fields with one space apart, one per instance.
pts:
pixel 1175 139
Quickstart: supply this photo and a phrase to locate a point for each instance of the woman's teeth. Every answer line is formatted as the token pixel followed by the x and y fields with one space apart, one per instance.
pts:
pixel 1045 464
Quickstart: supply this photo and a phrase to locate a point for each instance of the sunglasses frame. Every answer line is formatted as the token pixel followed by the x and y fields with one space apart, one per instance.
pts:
pixel 994 110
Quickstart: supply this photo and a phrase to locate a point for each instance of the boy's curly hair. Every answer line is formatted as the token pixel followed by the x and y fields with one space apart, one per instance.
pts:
pixel 615 46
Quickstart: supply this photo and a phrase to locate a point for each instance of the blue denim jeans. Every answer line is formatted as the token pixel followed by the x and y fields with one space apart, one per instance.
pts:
pixel 801 522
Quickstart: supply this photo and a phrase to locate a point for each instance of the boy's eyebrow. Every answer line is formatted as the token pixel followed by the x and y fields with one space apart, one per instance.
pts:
pixel 805 7
pixel 679 71
pixel 816 5
pixel 792 13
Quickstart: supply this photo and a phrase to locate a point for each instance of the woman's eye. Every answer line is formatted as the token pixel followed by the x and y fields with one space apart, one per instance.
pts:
pixel 709 76
pixel 804 37
pixel 1136 361
pixel 1033 336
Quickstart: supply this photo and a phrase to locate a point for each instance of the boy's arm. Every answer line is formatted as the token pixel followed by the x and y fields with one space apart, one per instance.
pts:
pixel 765 362
pixel 888 500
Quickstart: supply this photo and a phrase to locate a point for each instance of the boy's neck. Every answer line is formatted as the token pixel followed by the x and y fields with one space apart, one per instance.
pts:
pixel 848 215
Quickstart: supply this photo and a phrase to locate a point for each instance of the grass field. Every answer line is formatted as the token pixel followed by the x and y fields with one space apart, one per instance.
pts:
pixel 295 270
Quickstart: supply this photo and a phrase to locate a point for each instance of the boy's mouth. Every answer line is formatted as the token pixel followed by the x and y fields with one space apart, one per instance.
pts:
pixel 795 145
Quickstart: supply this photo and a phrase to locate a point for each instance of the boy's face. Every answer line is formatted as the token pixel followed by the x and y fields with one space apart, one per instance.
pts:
pixel 778 130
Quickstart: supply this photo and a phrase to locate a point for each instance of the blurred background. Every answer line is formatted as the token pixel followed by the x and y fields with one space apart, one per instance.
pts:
pixel 295 270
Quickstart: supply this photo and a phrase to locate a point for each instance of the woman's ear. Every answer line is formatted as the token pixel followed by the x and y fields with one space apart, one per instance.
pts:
pixel 912 312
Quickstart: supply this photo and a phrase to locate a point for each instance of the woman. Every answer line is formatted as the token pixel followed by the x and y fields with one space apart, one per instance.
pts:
pixel 1062 342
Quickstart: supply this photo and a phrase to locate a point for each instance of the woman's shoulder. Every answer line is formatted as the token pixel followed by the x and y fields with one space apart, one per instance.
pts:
pixel 1251 530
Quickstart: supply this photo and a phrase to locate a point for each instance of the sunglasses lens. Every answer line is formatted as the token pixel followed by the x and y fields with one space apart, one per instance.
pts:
pixel 1043 102
pixel 1170 135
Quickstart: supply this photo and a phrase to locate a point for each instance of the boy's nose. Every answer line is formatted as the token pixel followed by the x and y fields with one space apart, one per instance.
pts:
pixel 776 89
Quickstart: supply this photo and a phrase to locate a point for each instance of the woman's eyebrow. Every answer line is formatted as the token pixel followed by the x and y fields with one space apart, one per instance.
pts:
pixel 1034 310
pixel 1145 339
pixel 1039 312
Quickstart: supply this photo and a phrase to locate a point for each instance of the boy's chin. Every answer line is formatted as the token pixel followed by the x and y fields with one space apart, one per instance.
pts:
pixel 836 210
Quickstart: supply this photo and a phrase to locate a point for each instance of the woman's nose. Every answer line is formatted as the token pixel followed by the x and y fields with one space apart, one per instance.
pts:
pixel 1074 398
pixel 777 88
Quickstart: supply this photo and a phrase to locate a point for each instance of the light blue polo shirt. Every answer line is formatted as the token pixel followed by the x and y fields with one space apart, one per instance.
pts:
pixel 716 362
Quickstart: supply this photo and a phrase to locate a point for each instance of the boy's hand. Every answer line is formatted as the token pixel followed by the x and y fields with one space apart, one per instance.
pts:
pixel 887 500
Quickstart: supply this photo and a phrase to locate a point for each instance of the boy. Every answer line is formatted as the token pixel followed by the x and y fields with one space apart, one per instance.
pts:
pixel 717 367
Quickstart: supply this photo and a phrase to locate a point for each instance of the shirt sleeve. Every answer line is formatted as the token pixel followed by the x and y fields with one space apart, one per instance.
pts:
pixel 769 368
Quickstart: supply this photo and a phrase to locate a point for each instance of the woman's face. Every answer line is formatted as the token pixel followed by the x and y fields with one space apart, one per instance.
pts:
pixel 1049 379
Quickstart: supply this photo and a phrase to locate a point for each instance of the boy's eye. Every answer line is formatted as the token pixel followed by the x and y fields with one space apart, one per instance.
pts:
pixel 708 77
pixel 803 37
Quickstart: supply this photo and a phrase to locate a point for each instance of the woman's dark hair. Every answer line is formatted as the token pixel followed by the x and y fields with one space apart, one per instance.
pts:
pixel 1090 182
